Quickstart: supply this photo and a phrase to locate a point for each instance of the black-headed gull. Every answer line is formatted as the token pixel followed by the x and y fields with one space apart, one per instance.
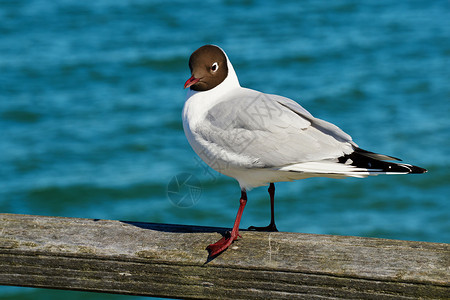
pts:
pixel 259 139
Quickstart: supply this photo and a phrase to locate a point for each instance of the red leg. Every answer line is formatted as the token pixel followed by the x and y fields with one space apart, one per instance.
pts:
pixel 271 226
pixel 223 243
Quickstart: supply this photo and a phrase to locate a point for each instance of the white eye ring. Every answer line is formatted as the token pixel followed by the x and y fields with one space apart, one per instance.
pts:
pixel 215 67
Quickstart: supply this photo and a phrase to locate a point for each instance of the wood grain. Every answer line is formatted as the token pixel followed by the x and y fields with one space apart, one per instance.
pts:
pixel 171 261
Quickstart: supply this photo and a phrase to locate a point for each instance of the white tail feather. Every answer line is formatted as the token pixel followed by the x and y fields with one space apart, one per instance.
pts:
pixel 334 168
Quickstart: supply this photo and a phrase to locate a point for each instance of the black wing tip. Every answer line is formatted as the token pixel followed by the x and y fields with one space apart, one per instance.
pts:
pixel 409 169
pixel 374 155
pixel 417 170
pixel 370 161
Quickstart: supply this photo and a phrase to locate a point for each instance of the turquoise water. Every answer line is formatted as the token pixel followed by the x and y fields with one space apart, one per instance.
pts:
pixel 91 96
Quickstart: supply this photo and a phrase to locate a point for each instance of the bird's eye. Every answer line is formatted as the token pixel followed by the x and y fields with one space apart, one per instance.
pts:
pixel 214 67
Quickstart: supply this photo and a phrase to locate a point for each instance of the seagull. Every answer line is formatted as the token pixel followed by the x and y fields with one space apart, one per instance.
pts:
pixel 260 139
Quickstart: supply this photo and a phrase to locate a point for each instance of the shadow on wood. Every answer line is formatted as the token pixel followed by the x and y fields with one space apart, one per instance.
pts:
pixel 169 261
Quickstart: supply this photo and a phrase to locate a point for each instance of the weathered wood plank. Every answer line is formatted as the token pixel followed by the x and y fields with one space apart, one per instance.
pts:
pixel 171 261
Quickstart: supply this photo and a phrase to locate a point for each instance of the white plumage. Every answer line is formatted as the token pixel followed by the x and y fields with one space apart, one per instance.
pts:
pixel 260 138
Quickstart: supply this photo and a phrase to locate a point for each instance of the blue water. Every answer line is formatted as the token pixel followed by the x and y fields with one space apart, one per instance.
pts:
pixel 91 94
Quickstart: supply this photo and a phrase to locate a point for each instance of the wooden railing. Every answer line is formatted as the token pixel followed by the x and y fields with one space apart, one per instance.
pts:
pixel 171 261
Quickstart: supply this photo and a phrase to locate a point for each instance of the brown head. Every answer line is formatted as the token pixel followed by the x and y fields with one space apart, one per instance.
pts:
pixel 209 68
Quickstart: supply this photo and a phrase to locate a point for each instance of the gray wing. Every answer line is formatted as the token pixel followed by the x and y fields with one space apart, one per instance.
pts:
pixel 265 130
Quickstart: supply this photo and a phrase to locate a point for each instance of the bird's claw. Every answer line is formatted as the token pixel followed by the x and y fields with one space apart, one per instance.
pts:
pixel 268 228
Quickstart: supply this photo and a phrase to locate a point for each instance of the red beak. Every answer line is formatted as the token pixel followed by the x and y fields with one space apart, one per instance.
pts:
pixel 191 81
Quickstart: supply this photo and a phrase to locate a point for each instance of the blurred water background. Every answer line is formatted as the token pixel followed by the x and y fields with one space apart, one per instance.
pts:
pixel 91 94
